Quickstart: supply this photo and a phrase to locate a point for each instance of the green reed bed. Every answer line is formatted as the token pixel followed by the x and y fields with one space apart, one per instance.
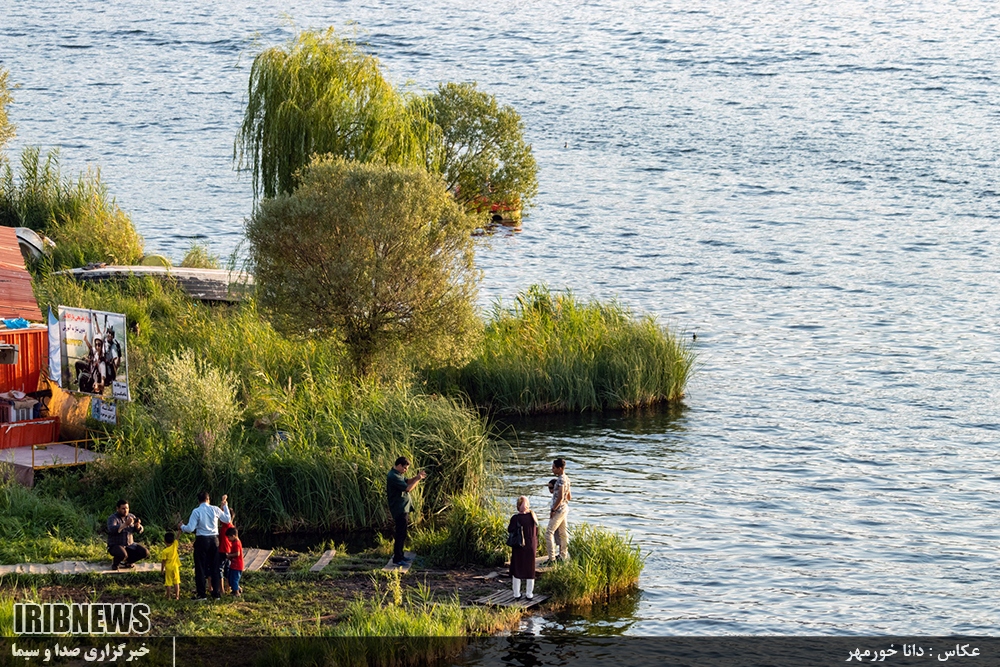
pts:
pixel 80 216
pixel 227 404
pixel 473 531
pixel 602 565
pixel 551 352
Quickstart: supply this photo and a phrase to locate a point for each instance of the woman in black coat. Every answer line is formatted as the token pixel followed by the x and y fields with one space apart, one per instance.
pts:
pixel 522 559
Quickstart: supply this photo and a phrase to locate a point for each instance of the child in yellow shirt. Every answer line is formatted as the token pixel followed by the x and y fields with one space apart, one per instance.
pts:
pixel 170 565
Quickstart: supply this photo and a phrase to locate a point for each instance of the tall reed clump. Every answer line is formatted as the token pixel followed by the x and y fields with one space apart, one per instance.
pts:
pixel 36 527
pixel 473 532
pixel 553 353
pixel 80 216
pixel 601 566
pixel 313 447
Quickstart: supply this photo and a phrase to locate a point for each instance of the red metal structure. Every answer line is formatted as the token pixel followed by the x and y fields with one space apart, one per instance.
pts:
pixel 17 300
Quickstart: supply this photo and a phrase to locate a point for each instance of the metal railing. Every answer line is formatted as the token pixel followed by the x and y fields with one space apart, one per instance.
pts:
pixel 58 463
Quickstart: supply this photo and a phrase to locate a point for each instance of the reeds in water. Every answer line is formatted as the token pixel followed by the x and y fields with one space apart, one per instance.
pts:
pixel 551 352
pixel 602 565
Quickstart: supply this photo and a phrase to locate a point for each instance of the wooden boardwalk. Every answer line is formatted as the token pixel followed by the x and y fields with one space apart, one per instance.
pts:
pixel 74 567
pixel 254 559
pixel 505 598
pixel 402 569
pixel 323 561
pixel 203 284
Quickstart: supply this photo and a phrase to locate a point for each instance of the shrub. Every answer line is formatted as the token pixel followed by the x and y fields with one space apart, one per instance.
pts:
pixel 602 565
pixel 474 532
pixel 553 353
pixel 83 220
pixel 199 257
pixel 195 400
pixel 379 257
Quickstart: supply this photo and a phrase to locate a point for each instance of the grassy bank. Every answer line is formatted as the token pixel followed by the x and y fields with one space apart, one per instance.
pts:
pixel 602 565
pixel 227 404
pixel 551 352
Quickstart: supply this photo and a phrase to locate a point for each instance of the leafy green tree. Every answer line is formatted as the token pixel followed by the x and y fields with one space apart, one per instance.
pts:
pixel 379 256
pixel 6 128
pixel 484 156
pixel 321 94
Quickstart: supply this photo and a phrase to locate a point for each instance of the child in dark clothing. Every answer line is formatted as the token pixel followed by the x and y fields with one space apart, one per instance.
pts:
pixel 235 557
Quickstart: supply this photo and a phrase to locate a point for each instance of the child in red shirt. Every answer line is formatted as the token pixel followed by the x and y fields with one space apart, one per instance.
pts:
pixel 224 548
pixel 235 556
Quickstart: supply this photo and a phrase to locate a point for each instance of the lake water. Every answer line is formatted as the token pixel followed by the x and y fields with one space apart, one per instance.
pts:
pixel 810 188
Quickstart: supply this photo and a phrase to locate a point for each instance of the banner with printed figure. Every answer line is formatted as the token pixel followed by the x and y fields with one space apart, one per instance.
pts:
pixel 94 352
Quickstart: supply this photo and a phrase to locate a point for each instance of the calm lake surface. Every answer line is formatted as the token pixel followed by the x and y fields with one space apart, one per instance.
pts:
pixel 810 188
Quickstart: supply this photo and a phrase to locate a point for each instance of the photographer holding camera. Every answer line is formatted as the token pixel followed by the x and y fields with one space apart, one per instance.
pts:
pixel 121 526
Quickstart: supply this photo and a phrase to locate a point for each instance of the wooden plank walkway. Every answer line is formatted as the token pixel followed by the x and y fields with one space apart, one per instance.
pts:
pixel 402 569
pixel 203 284
pixel 74 567
pixel 323 561
pixel 505 598
pixel 254 559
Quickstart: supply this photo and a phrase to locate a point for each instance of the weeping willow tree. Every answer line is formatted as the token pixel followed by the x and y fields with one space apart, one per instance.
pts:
pixel 6 129
pixel 320 94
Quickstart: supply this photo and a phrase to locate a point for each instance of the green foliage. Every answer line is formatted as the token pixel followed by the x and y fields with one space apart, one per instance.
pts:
pixel 83 220
pixel 321 94
pixel 416 613
pixel 378 256
pixel 601 566
pixel 199 257
pixel 194 400
pixel 6 127
pixel 553 353
pixel 39 528
pixel 314 447
pixel 474 532
pixel 484 156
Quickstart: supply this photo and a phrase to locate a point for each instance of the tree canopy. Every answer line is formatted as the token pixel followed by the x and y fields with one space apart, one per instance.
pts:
pixel 378 256
pixel 6 128
pixel 484 156
pixel 321 94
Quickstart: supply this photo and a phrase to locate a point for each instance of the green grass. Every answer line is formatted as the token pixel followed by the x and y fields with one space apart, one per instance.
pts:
pixel 554 353
pixel 473 532
pixel 80 216
pixel 311 446
pixel 602 565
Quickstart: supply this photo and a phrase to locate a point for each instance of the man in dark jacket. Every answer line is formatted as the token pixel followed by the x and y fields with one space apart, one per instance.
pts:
pixel 398 491
pixel 121 526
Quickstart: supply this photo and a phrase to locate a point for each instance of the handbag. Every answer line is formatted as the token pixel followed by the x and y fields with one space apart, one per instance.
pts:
pixel 515 536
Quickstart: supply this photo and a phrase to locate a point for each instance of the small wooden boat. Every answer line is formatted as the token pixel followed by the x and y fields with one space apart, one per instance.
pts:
pixel 202 284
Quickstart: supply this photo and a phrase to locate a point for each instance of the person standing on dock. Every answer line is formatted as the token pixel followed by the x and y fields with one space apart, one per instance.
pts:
pixel 522 558
pixel 398 491
pixel 121 526
pixel 204 523
pixel 558 515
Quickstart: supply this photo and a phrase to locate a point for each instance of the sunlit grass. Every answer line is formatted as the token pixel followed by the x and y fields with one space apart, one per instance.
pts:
pixel 550 352
pixel 602 565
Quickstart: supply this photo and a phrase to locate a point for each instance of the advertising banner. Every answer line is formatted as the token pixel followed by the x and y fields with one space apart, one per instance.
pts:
pixel 94 358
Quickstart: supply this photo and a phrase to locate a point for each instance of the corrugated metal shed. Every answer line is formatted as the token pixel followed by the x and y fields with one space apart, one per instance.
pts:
pixel 32 356
pixel 16 297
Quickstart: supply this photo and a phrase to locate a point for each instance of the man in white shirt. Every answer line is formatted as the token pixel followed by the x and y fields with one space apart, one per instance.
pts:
pixel 557 514
pixel 204 523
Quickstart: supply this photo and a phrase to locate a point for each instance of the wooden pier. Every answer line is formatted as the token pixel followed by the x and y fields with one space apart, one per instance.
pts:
pixel 505 598
pixel 402 569
pixel 323 561
pixel 202 284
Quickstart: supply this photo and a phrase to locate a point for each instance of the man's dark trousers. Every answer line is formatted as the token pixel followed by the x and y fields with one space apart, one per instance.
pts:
pixel 400 534
pixel 206 564
pixel 130 554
